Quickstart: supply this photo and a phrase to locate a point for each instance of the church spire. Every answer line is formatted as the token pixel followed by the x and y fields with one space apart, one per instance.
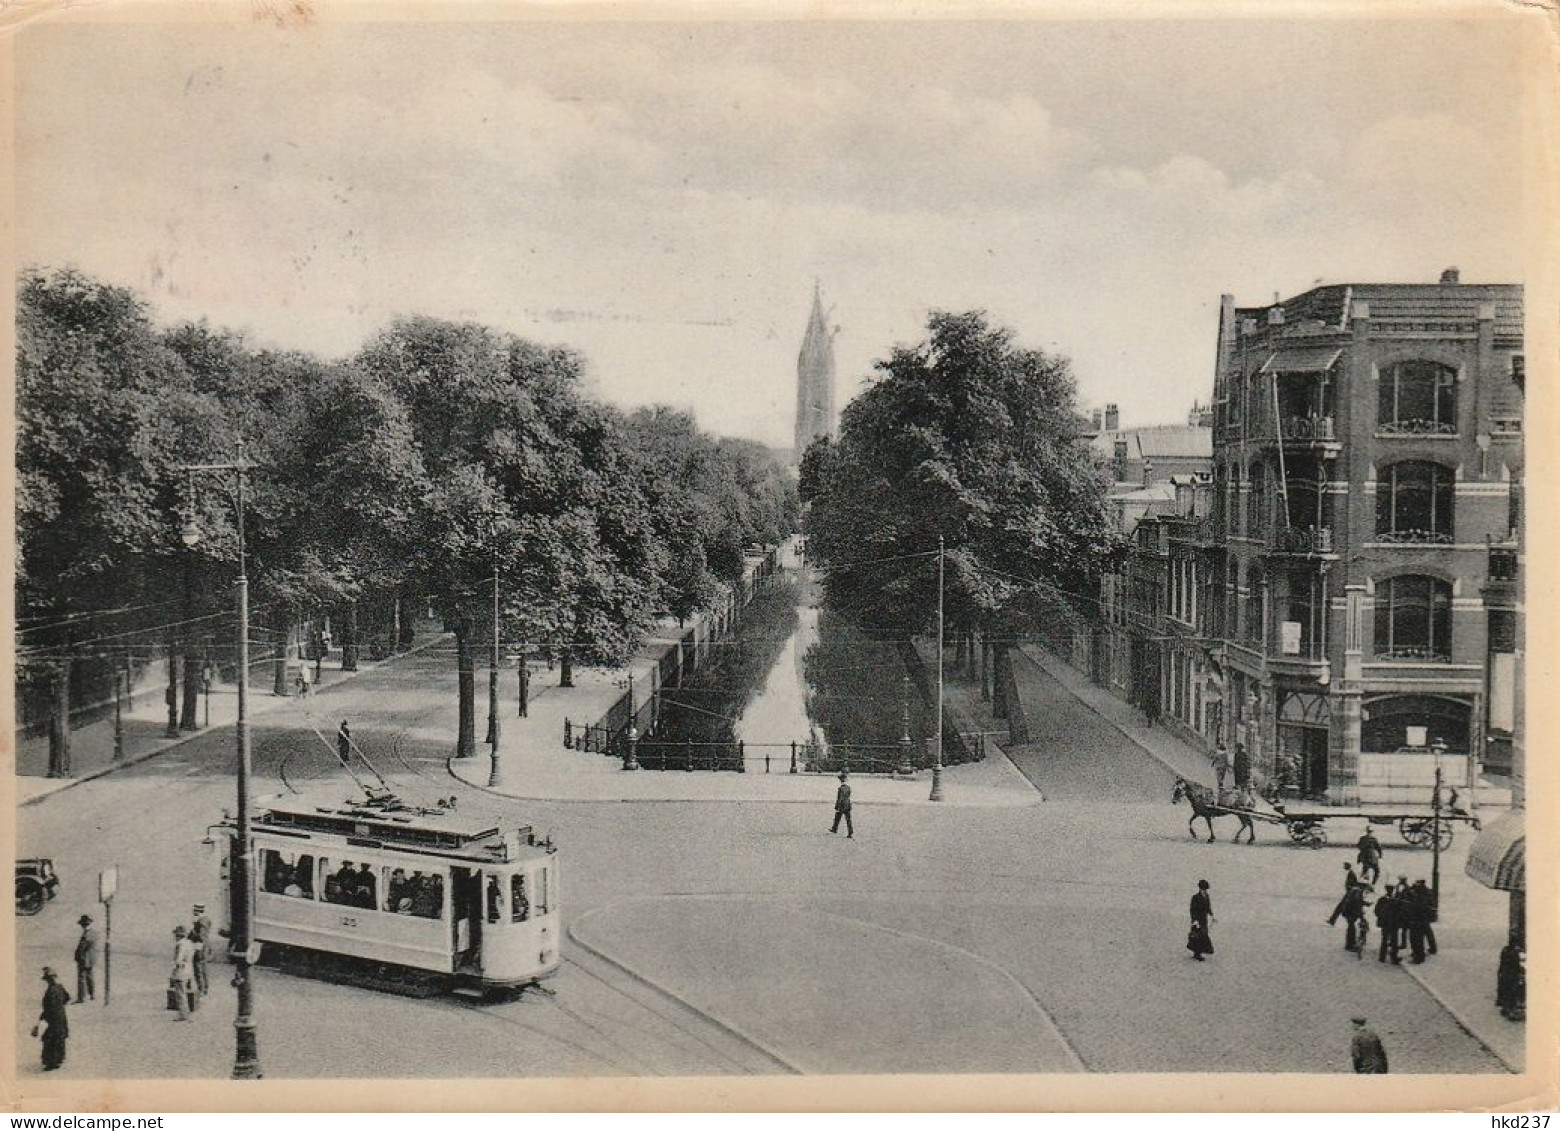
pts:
pixel 815 377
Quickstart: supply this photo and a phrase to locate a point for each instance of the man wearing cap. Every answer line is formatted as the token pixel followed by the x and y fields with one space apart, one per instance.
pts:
pixel 86 959
pixel 842 808
pixel 55 998
pixel 200 935
pixel 1369 1056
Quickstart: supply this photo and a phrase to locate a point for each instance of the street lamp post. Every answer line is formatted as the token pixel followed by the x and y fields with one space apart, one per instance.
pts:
pixel 631 753
pixel 937 765
pixel 246 1059
pixel 905 768
pixel 496 774
pixel 1435 829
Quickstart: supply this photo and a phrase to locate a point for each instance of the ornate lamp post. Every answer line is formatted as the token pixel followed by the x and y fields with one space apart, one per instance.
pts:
pixel 246 1060
pixel 905 768
pixel 496 774
pixel 631 753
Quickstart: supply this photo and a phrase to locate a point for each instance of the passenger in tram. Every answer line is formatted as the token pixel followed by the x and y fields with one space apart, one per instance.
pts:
pixel 520 906
pixel 303 877
pixel 397 892
pixel 341 886
pixel 365 885
pixel 495 899
pixel 427 896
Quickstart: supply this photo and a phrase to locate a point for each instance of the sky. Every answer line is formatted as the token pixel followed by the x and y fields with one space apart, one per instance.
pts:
pixel 663 196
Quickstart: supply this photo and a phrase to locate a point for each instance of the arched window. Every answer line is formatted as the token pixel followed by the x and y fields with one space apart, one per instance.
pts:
pixel 1414 502
pixel 1385 721
pixel 1418 397
pixel 1232 625
pixel 1414 618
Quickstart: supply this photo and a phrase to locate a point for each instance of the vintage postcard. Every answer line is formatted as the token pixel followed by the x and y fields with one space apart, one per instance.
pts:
pixel 780 556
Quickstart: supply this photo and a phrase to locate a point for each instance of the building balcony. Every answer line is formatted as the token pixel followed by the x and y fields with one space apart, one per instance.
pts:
pixel 1306 541
pixel 1311 431
pixel 1430 655
pixel 1416 537
pixel 1309 428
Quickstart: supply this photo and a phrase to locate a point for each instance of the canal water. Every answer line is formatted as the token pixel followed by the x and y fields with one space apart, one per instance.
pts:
pixel 792 673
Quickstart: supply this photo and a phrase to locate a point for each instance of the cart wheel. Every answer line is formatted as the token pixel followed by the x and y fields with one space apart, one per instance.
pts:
pixel 1443 835
pixel 1299 832
pixel 1316 836
pixel 1414 830
pixel 29 897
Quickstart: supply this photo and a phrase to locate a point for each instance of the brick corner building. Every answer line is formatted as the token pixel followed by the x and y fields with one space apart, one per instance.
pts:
pixel 1367 458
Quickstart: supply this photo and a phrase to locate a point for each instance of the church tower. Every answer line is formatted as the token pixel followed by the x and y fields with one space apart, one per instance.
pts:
pixel 815 379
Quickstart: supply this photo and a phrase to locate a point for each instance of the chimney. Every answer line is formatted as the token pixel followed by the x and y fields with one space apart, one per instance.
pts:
pixel 1112 418
pixel 1099 420
pixel 1451 277
pixel 1275 316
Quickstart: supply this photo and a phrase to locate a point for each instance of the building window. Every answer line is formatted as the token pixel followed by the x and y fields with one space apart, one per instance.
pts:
pixel 1254 618
pixel 1303 610
pixel 1256 503
pixel 1414 618
pixel 1418 397
pixel 1414 503
pixel 1232 603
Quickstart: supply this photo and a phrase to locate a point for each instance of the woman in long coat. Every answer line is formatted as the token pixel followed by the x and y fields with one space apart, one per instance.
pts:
pixel 1197 939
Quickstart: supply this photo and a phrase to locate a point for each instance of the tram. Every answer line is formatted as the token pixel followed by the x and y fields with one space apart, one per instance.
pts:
pixel 430 897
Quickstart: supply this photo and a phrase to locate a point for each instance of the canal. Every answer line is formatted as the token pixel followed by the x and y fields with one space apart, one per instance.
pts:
pixel 793 678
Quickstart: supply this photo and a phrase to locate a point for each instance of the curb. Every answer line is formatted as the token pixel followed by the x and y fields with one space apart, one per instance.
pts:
pixel 1459 1019
pixel 172 743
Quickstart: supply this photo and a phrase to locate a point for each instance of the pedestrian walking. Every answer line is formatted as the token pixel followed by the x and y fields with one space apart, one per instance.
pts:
pixel 842 808
pixel 200 935
pixel 1387 925
pixel 1368 856
pixel 1221 767
pixel 1354 906
pixel 1198 940
pixel 1349 880
pixel 344 743
pixel 305 680
pixel 52 1020
pixel 1366 1048
pixel 181 979
pixel 87 946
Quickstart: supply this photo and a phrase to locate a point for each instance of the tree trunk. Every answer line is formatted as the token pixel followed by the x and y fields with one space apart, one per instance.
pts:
pixel 566 665
pixel 171 695
pixel 190 718
pixel 349 639
pixel 408 623
pixel 279 667
pixel 466 740
pixel 999 703
pixel 985 668
pixel 59 721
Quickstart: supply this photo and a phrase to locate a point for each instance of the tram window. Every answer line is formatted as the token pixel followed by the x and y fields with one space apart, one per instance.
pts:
pixel 519 905
pixel 398 895
pixel 541 891
pixel 285 874
pixel 494 899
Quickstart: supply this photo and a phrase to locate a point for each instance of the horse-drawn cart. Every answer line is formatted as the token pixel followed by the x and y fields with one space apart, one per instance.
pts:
pixel 1417 823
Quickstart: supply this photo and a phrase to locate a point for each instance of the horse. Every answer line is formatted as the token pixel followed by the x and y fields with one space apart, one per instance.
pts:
pixel 1205 804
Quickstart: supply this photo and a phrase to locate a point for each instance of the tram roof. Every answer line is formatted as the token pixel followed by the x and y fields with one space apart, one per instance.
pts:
pixel 391 820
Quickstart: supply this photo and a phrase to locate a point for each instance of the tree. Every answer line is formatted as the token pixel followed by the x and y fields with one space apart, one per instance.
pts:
pixel 967 437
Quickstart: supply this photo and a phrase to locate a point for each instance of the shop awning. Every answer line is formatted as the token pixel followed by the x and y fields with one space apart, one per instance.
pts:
pixel 1498 858
pixel 1302 359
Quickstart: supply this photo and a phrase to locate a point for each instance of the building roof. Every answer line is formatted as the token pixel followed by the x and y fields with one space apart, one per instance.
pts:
pixel 1334 305
pixel 1159 441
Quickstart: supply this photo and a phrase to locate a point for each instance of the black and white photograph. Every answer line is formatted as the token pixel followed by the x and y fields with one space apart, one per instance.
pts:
pixel 777 543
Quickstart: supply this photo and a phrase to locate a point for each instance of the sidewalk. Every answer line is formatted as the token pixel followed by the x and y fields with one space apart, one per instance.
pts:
pixel 1461 977
pixel 146 728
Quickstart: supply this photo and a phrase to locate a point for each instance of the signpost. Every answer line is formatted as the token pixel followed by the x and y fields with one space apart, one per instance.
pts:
pixel 108 884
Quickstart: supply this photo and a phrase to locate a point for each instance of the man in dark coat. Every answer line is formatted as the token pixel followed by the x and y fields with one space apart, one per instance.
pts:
pixel 344 743
pixel 1511 984
pixel 56 1027
pixel 1242 768
pixel 1198 940
pixel 1369 1055
pixel 1387 924
pixel 1369 857
pixel 1354 915
pixel 86 959
pixel 1349 880
pixel 842 809
pixel 1426 899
